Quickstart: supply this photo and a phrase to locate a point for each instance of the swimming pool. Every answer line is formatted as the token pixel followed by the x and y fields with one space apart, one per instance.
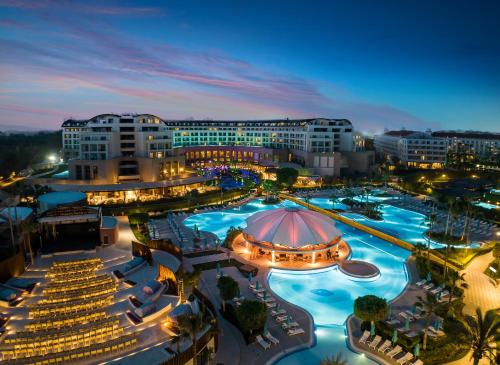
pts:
pixel 327 294
pixel 486 205
pixel 218 222
pixel 401 223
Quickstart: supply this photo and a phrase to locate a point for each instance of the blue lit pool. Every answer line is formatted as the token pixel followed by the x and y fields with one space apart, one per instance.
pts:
pixel 401 223
pixel 327 293
pixel 218 222
pixel 307 289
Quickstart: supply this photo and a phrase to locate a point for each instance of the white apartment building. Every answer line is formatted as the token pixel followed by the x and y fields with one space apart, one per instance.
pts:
pixel 414 149
pixel 475 143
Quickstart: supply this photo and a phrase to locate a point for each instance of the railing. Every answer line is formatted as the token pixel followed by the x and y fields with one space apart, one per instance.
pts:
pixel 386 237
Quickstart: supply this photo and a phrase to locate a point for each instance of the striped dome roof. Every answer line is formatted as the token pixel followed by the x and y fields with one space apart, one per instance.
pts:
pixel 292 227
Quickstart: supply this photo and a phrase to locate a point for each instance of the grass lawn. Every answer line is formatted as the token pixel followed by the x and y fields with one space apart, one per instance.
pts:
pixel 463 256
pixel 141 237
pixel 202 253
pixel 213 264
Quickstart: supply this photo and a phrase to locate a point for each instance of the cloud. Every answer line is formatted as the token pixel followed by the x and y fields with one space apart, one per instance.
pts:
pixel 88 58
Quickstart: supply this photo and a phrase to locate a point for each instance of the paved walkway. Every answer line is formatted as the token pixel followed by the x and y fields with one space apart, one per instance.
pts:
pixel 233 349
pixel 483 291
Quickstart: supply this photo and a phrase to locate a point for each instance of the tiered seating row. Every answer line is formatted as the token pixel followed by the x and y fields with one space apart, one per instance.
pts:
pixel 59 264
pixel 79 294
pixel 84 283
pixel 76 319
pixel 81 353
pixel 58 309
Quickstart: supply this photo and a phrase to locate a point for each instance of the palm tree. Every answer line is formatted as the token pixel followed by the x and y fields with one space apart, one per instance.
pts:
pixel 334 199
pixel 482 332
pixel 192 277
pixel 455 279
pixel 334 360
pixel 430 221
pixel 27 228
pixel 429 304
pixel 307 199
pixel 190 327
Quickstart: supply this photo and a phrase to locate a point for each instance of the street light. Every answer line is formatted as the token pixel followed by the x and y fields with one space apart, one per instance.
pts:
pixel 52 158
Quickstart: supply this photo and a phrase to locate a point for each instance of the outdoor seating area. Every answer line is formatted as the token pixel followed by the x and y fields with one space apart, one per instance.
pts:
pixel 388 349
pixel 70 321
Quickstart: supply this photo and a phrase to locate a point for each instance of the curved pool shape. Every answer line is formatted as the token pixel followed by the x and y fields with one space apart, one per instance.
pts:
pixel 218 222
pixel 328 294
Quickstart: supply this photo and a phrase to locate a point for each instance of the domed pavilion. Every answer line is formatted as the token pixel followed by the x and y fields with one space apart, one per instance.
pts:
pixel 292 234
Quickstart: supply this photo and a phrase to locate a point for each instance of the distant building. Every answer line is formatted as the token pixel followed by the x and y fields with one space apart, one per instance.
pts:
pixel 475 143
pixel 412 148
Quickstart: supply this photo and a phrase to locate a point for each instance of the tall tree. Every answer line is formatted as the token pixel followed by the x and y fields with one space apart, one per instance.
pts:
pixel 455 279
pixel 429 304
pixel 228 289
pixel 287 176
pixel 370 308
pixel 482 332
pixel 251 315
pixel 190 327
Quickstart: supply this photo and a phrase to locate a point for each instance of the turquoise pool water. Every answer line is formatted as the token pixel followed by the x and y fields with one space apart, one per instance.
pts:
pixel 218 222
pixel 327 294
pixel 401 223
pixel 486 205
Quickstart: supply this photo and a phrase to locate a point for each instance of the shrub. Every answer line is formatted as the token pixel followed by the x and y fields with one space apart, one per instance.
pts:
pixel 232 232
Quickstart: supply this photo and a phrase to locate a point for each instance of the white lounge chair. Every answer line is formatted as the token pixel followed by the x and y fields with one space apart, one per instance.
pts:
pixel 436 290
pixel 271 338
pixel 271 305
pixel 278 312
pixel 417 362
pixel 281 318
pixel 384 346
pixel 287 326
pixel 421 282
pixel 436 331
pixel 364 337
pixel 406 316
pixel 428 286
pixel 295 331
pixel 375 342
pixel 396 350
pixel 408 357
pixel 263 343
pixel 257 291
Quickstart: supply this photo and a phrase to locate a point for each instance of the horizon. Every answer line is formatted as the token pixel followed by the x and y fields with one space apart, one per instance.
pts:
pixel 415 65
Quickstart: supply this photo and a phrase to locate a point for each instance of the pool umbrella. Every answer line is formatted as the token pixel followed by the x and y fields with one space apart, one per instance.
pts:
pixel 438 296
pixel 429 277
pixel 394 336
pixel 222 273
pixel 414 309
pixel 407 324
pixel 288 320
pixel 277 308
pixel 265 330
pixel 416 350
pixel 389 311
pixel 372 329
pixel 257 285
pixel 218 268
pixel 265 295
pixel 250 276
pixel 437 324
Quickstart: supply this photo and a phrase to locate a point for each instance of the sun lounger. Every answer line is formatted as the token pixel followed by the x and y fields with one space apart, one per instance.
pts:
pixel 384 346
pixel 287 326
pixel 278 312
pixel 271 338
pixel 295 331
pixel 408 357
pixel 436 290
pixel 396 350
pixel 281 318
pixel 271 304
pixel 406 316
pixel 428 286
pixel 364 337
pixel 421 282
pixel 268 300
pixel 414 315
pixel 257 291
pixel 411 334
pixel 375 342
pixel 263 343
pixel 418 362
pixel 436 331
pixel 251 286
pixel 393 322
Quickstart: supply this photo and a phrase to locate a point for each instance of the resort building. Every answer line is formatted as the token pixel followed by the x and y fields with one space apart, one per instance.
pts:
pixel 111 148
pixel 475 143
pixel 412 148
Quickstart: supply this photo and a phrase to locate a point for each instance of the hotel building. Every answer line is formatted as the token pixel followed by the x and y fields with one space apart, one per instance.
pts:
pixel 111 148
pixel 430 149
pixel 413 149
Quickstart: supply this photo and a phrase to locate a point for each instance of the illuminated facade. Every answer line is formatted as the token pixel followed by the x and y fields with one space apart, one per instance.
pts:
pixel 413 149
pixel 111 148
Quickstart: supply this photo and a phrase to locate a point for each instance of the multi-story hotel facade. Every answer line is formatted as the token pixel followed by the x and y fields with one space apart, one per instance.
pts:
pixel 430 149
pixel 414 149
pixel 111 148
